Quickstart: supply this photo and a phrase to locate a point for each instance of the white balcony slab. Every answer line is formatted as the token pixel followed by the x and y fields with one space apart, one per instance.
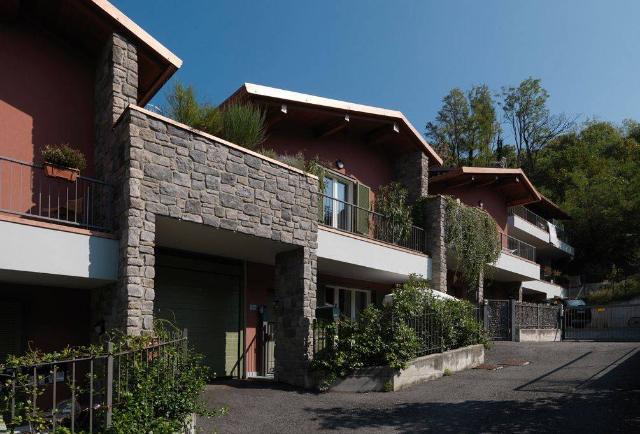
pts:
pixel 527 231
pixel 42 255
pixel 550 289
pixel 347 255
pixel 512 268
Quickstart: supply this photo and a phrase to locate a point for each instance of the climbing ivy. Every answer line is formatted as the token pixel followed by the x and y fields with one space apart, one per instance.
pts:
pixel 473 237
pixel 392 202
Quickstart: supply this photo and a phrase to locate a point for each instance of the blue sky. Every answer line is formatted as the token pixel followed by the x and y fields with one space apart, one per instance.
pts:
pixel 406 54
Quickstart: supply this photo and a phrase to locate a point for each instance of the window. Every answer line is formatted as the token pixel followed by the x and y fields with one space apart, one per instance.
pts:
pixel 350 301
pixel 338 195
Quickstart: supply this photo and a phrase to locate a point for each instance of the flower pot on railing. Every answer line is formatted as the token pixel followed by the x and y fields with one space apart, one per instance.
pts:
pixel 66 173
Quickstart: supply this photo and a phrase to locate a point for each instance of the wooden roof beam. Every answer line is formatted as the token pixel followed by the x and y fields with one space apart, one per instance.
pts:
pixel 379 134
pixel 333 127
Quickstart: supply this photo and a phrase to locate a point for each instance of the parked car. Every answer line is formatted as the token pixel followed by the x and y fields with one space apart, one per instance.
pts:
pixel 576 313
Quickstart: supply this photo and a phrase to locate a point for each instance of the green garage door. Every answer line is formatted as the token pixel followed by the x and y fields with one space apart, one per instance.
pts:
pixel 203 296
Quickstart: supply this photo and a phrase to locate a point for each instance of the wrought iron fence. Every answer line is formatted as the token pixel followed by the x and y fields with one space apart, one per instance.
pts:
pixel 516 247
pixel 26 190
pixel 80 393
pixel 530 216
pixel 349 217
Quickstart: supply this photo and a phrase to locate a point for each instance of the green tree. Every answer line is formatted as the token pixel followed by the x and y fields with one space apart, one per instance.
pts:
pixel 533 126
pixel 465 127
pixel 183 106
pixel 594 175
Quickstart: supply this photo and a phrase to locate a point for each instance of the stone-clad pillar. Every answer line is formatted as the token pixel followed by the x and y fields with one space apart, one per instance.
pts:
pixel 434 226
pixel 295 292
pixel 412 171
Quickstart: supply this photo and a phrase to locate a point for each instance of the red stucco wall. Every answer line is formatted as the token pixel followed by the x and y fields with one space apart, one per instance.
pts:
pixel 493 202
pixel 46 95
pixel 371 167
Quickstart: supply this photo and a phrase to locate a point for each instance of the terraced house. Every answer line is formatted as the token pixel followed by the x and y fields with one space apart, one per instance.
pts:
pixel 169 222
pixel 166 221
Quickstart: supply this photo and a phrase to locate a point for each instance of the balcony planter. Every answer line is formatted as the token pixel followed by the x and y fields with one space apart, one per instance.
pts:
pixel 61 161
pixel 66 173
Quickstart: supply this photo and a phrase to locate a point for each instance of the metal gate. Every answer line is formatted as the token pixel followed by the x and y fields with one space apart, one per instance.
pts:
pixel 602 323
pixel 268 348
pixel 497 316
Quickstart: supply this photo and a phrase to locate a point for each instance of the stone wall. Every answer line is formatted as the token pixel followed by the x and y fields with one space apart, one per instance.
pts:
pixel 412 170
pixel 176 172
pixel 434 226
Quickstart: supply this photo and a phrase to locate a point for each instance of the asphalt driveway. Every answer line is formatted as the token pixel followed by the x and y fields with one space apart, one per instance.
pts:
pixel 567 387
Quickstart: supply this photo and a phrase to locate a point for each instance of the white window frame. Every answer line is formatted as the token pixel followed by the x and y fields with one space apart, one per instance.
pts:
pixel 334 197
pixel 336 297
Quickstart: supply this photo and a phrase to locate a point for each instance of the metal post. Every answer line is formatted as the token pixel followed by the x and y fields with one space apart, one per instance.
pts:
pixel 512 320
pixel 538 313
pixel 485 314
pixel 109 385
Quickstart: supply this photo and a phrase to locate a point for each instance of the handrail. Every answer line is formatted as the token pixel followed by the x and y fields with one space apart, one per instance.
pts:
pixel 350 217
pixel 517 247
pixel 26 190
pixel 530 216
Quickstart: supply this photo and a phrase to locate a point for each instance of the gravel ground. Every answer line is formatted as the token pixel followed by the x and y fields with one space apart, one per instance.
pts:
pixel 568 387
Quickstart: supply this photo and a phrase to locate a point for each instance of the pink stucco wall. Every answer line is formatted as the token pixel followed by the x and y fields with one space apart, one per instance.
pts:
pixel 371 167
pixel 46 95
pixel 493 202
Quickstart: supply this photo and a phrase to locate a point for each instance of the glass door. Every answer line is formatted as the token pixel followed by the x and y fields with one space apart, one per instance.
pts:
pixel 336 208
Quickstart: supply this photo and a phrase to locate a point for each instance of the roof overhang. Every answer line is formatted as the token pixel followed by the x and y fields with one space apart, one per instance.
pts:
pixel 88 24
pixel 396 121
pixel 513 184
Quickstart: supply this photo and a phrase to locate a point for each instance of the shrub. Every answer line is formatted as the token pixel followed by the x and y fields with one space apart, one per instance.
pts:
pixel 64 156
pixel 159 394
pixel 243 124
pixel 622 290
pixel 383 336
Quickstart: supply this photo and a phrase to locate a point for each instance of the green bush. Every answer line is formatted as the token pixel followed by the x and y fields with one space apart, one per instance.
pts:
pixel 622 290
pixel 64 156
pixel 159 394
pixel 383 336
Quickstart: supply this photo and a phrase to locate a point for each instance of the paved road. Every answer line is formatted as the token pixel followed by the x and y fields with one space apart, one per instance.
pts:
pixel 578 387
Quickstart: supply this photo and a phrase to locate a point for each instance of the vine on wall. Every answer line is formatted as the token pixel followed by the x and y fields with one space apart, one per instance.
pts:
pixel 473 237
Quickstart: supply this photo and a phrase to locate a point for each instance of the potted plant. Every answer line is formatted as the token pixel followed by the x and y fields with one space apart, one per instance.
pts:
pixel 61 161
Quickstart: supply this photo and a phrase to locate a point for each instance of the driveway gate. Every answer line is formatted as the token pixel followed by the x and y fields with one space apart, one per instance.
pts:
pixel 497 317
pixel 602 323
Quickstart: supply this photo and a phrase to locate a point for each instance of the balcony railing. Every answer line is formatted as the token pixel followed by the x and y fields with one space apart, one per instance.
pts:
pixel 517 247
pixel 530 216
pixel 25 190
pixel 349 217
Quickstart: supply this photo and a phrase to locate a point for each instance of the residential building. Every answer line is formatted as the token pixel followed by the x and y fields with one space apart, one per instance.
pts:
pixel 170 222
pixel 533 246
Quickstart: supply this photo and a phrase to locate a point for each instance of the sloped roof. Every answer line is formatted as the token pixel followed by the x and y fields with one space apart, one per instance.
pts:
pixel 250 89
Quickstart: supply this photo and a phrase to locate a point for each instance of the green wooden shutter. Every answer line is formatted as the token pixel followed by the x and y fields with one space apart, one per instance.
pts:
pixel 362 218
pixel 321 207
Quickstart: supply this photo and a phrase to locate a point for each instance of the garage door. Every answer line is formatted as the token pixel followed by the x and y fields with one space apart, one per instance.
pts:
pixel 202 295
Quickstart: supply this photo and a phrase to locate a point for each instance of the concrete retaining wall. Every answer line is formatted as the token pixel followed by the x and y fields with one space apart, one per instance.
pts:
pixel 539 335
pixel 378 379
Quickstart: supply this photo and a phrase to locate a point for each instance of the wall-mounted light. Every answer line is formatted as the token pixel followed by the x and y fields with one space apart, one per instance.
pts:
pixel 480 204
pixel 339 164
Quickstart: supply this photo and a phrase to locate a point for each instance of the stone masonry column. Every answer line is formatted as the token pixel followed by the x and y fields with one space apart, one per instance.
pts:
pixel 412 171
pixel 116 87
pixel 295 291
pixel 434 226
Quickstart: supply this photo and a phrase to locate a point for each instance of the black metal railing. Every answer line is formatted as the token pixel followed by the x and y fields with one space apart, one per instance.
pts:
pixel 79 394
pixel 349 217
pixel 27 191
pixel 530 216
pixel 516 247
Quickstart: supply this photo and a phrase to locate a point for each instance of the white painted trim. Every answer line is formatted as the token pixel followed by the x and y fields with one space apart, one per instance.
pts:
pixel 353 291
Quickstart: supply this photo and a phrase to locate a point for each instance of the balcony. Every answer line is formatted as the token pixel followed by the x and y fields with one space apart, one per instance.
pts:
pixel 516 247
pixel 356 243
pixel 348 217
pixel 27 192
pixel 548 237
